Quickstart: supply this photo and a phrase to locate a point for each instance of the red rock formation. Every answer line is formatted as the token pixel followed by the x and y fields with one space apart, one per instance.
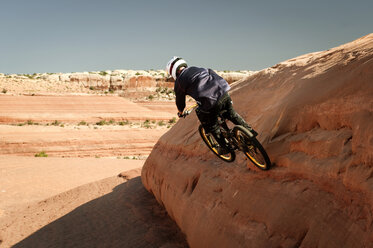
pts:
pixel 314 116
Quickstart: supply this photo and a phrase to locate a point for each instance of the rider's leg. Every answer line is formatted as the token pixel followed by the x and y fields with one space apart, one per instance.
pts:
pixel 233 116
pixel 209 121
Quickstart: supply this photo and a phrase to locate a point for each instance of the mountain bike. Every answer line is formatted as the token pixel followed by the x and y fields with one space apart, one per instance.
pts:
pixel 237 138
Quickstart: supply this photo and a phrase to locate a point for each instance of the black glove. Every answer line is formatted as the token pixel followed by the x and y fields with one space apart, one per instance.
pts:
pixel 180 114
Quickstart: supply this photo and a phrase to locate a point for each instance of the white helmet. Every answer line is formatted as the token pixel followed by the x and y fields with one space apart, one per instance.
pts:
pixel 174 64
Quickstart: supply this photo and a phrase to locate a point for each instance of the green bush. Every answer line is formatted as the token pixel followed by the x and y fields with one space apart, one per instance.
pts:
pixel 56 123
pixel 122 123
pixel 172 121
pixel 4 91
pixel 101 123
pixel 41 154
pixel 146 124
pixel 82 123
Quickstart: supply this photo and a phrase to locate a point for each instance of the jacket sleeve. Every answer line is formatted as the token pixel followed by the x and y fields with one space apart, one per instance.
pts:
pixel 180 97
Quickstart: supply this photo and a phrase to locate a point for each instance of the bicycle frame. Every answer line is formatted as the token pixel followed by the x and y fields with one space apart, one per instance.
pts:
pixel 238 138
pixel 228 134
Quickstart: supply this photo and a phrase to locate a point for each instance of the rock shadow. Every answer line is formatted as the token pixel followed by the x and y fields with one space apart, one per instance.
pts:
pixel 129 216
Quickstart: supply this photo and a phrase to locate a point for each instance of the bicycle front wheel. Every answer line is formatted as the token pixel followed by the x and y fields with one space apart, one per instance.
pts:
pixel 252 148
pixel 213 145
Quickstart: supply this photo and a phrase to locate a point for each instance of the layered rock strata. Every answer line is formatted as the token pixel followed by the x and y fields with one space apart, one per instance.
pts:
pixel 117 80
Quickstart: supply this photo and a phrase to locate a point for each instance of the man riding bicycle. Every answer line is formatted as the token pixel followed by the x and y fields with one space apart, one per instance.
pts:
pixel 211 93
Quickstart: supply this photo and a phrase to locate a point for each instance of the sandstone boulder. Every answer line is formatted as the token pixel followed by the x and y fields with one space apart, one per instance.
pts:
pixel 314 114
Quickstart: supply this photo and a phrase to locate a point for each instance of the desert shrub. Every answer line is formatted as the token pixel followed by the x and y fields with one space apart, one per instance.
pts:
pixel 92 88
pixel 41 154
pixel 172 121
pixel 82 123
pixel 56 123
pixel 161 123
pixel 122 123
pixel 103 73
pixel 150 97
pixel 111 122
pixel 4 91
pixel 101 123
pixel 146 124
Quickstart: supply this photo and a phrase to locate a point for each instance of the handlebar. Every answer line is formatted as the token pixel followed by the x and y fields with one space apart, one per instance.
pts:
pixel 188 111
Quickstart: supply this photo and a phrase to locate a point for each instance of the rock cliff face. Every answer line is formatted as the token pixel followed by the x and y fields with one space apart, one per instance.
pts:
pixel 314 114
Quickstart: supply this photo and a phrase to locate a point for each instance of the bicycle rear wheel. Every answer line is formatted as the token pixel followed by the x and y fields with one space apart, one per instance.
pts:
pixel 252 148
pixel 212 144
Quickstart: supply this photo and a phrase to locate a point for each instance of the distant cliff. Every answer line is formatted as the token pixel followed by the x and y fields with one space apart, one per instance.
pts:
pixel 118 79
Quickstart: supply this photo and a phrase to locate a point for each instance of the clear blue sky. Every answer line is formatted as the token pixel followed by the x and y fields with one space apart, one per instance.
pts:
pixel 87 35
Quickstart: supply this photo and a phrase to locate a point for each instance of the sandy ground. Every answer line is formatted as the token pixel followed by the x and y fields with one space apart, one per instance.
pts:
pixel 74 197
pixel 40 178
pixel 110 212
pixel 73 109
pixel 78 141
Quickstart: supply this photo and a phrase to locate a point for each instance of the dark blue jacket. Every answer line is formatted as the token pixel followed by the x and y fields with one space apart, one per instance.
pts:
pixel 204 85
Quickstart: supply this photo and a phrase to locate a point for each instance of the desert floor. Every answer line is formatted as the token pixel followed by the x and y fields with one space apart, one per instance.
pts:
pixel 87 192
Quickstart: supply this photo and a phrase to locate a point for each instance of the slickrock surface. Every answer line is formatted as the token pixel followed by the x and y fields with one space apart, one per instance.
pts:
pixel 314 114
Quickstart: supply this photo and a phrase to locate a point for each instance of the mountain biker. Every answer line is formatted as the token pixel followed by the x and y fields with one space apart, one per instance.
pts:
pixel 211 93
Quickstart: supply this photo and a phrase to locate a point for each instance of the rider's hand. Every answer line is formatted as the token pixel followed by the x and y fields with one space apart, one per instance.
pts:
pixel 180 114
